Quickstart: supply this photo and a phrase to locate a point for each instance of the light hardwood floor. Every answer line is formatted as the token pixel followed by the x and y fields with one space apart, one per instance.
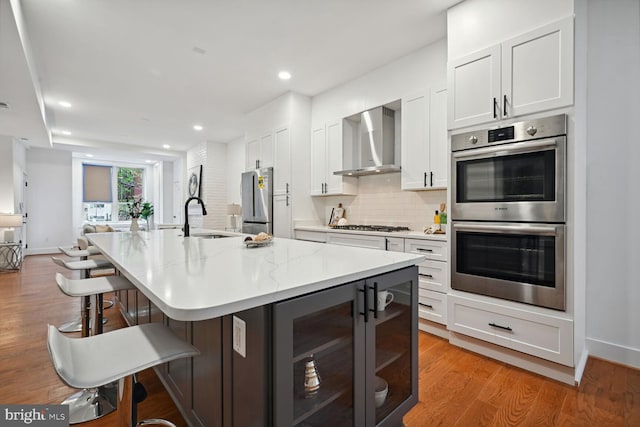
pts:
pixel 456 388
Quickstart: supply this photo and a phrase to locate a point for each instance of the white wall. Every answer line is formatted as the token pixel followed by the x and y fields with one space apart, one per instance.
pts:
pixel 236 156
pixel 215 186
pixel 613 246
pixel 49 200
pixel 477 24
pixel 388 83
pixel 6 174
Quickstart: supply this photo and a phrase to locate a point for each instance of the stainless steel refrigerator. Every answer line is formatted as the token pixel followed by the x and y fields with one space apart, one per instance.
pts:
pixel 257 201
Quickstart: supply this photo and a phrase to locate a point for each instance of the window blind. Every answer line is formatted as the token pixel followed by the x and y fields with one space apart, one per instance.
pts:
pixel 96 183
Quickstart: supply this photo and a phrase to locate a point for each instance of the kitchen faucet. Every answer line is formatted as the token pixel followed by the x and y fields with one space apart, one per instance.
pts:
pixel 186 213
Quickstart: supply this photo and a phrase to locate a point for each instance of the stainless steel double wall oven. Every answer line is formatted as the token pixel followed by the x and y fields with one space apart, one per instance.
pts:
pixel 509 211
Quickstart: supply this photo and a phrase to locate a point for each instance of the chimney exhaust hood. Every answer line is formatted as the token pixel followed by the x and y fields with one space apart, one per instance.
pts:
pixel 368 143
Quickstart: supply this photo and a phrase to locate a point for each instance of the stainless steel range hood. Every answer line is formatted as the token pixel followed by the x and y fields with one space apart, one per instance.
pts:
pixel 369 143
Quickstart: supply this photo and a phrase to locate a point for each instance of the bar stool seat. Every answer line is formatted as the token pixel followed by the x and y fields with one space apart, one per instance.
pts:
pixel 92 286
pixel 101 359
pixel 87 264
pixel 77 253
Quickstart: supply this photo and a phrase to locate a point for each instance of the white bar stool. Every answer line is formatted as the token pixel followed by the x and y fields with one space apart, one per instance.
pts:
pixel 90 404
pixel 101 359
pixel 85 266
pixel 83 254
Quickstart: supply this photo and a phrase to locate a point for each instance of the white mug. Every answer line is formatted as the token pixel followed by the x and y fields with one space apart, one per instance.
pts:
pixel 384 299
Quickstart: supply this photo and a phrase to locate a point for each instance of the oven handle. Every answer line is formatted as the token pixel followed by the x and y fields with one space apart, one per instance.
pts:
pixel 516 147
pixel 542 230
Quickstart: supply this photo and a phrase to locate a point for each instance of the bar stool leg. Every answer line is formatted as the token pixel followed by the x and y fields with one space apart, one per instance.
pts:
pixel 131 393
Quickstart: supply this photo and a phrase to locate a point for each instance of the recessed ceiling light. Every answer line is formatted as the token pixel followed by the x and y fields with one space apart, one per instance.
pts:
pixel 89 155
pixel 166 146
pixel 65 104
pixel 197 127
pixel 284 75
pixel 149 161
pixel 65 132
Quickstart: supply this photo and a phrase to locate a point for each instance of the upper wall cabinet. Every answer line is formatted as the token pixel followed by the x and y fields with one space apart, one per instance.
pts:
pixel 526 74
pixel 326 157
pixel 260 151
pixel 424 140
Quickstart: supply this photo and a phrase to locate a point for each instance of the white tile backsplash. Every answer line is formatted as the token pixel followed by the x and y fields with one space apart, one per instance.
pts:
pixel 381 201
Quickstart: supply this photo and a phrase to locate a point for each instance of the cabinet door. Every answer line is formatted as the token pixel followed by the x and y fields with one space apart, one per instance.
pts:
pixel 392 338
pixel 319 337
pixel 282 161
pixel 395 244
pixel 357 240
pixel 179 371
pixel 537 70
pixel 282 216
pixel 438 143
pixel 266 150
pixel 334 157
pixel 253 153
pixel 318 164
pixel 415 141
pixel 474 88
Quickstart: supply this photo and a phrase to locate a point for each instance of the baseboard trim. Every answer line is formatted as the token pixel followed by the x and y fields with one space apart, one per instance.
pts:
pixel 41 251
pixel 433 328
pixel 617 353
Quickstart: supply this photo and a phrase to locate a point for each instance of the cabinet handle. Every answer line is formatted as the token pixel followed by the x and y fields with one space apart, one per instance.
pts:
pixel 429 276
pixel 427 305
pixel 424 250
pixel 506 328
pixel 366 302
pixel 504 105
pixel 431 179
pixel 287 190
pixel 386 244
pixel 495 115
pixel 287 200
pixel 375 300
pixel 425 179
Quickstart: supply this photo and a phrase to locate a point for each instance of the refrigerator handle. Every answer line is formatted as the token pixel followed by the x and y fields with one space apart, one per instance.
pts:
pixel 253 195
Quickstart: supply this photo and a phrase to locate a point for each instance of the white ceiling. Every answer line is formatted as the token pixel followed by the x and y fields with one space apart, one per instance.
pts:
pixel 143 72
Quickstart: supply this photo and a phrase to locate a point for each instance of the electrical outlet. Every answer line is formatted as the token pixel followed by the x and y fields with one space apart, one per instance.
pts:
pixel 240 336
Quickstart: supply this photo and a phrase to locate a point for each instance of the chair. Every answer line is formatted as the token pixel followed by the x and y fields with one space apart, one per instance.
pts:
pixel 98 360
pixel 90 404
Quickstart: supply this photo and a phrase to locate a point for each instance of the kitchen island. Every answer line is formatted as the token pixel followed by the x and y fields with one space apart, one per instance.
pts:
pixel 262 315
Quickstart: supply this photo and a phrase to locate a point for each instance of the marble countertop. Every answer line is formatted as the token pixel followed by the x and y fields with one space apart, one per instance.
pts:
pixel 401 234
pixel 197 278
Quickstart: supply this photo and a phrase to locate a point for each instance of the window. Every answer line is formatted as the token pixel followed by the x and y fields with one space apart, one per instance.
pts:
pixel 105 184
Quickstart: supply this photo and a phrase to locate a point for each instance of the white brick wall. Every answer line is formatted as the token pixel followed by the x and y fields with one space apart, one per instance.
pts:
pixel 213 157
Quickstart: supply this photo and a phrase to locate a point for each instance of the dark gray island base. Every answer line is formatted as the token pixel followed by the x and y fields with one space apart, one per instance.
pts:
pixel 354 338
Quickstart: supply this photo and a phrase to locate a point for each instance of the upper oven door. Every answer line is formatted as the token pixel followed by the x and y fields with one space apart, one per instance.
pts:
pixel 521 181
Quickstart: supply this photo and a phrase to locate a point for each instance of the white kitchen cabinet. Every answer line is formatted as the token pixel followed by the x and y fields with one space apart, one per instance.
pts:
pixel 394 244
pixel 326 158
pixel 433 279
pixel 526 74
pixel 282 226
pixel 260 151
pixel 424 140
pixel 358 240
pixel 546 336
pixel 311 236
pixel 282 161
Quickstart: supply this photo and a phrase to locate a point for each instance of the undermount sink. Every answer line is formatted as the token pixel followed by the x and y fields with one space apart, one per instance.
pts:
pixel 209 236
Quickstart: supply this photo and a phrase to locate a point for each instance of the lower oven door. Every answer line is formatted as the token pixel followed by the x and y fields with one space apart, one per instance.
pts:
pixel 513 261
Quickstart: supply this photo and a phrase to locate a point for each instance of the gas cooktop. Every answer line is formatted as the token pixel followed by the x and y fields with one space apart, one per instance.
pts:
pixel 381 228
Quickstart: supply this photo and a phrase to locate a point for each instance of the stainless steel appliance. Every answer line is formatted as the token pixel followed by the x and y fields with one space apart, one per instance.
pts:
pixel 514 261
pixel 509 211
pixel 257 201
pixel 513 173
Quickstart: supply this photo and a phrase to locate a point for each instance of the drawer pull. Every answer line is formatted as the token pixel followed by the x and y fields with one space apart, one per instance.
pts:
pixel 427 305
pixel 506 328
pixel 430 276
pixel 424 250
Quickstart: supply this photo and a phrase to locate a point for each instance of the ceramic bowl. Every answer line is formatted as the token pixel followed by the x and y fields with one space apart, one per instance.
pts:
pixel 382 388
